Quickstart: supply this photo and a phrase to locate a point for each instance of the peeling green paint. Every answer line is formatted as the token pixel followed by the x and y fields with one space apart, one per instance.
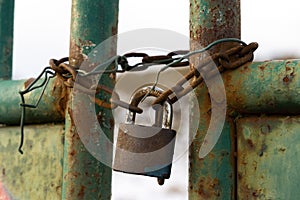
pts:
pixel 214 176
pixel 268 164
pixel 93 21
pixel 49 110
pixel 264 87
pixel 37 174
pixel 214 19
pixel 6 38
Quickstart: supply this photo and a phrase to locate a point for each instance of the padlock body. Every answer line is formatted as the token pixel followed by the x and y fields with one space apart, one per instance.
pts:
pixel 144 150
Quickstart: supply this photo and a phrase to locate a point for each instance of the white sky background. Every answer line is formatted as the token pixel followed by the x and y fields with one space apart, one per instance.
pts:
pixel 42 27
pixel 42 32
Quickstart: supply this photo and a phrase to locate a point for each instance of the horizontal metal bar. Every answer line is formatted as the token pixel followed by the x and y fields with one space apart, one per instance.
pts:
pixel 264 87
pixel 50 109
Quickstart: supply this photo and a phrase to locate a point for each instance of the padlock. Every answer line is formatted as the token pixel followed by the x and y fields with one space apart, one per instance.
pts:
pixel 146 150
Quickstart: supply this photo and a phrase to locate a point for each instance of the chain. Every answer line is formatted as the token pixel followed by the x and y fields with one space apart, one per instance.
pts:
pixel 230 59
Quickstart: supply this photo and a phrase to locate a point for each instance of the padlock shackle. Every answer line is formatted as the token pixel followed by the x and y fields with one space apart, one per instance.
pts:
pixel 139 95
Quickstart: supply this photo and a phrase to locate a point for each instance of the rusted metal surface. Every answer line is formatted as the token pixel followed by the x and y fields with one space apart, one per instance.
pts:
pixel 268 157
pixel 37 174
pixel 84 177
pixel 92 22
pixel 6 38
pixel 214 19
pixel 235 57
pixel 214 176
pixel 51 108
pixel 264 87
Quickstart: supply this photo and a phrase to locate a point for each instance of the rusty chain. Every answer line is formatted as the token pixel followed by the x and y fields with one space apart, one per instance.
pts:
pixel 68 75
pixel 230 59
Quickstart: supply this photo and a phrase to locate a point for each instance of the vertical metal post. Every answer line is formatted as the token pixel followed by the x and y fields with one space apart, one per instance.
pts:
pixel 6 38
pixel 214 176
pixel 84 177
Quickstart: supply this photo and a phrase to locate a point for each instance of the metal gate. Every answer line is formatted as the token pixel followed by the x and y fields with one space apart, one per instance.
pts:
pixel 255 158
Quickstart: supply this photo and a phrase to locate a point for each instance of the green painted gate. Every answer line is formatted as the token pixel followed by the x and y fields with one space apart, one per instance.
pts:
pixel 255 158
pixel 257 154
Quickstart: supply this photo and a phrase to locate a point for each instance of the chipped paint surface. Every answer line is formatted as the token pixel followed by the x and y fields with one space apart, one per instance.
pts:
pixel 49 109
pixel 37 174
pixel 268 152
pixel 92 22
pixel 264 87
pixel 84 177
pixel 6 38
pixel 214 19
pixel 214 176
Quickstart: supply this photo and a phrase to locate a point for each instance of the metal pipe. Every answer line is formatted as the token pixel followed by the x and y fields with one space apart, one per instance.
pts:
pixel 6 38
pixel 50 109
pixel 264 87
pixel 212 177
pixel 84 177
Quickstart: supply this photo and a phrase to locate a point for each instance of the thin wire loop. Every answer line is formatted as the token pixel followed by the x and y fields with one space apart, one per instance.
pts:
pixel 48 75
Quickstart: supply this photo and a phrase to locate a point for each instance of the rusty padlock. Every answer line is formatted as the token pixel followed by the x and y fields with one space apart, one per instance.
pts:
pixel 146 150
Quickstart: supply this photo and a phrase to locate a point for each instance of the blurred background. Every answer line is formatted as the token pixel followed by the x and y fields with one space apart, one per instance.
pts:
pixel 42 32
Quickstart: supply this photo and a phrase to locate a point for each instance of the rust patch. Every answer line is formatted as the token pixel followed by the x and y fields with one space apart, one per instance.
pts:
pixel 73 152
pixel 262 68
pixel 81 192
pixel 286 79
pixel 114 30
pixel 239 176
pixel 209 188
pixel 28 82
pixel 249 193
pixel 250 144
pixel 61 92
pixel 244 69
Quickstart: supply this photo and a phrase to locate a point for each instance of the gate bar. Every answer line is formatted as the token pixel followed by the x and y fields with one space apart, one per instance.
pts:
pixel 6 38
pixel 214 176
pixel 84 177
pixel 50 110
